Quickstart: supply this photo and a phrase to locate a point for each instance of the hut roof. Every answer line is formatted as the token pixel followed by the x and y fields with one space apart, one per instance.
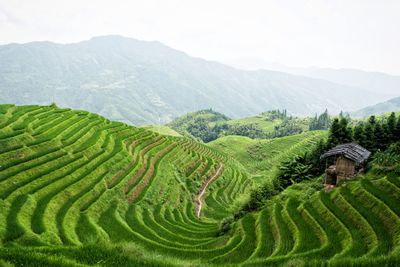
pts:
pixel 351 151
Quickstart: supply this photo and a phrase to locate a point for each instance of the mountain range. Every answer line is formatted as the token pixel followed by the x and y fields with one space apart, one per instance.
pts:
pixel 392 105
pixel 141 82
pixel 386 84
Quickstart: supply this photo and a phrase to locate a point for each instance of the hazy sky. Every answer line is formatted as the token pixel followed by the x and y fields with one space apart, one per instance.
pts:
pixel 362 34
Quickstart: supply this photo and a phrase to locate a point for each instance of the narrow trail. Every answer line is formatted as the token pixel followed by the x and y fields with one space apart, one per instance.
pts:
pixel 198 199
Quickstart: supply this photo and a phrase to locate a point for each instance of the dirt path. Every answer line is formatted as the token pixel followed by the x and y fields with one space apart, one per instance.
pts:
pixel 198 199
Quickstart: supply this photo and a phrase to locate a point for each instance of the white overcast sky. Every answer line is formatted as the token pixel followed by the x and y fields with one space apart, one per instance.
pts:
pixel 363 34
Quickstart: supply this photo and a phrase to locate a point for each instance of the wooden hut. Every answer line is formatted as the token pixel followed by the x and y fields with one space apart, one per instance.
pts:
pixel 349 160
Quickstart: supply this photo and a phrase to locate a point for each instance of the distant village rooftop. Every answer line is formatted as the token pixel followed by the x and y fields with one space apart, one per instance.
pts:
pixel 350 151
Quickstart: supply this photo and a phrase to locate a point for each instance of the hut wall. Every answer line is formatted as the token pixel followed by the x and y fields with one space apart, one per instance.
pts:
pixel 331 176
pixel 345 168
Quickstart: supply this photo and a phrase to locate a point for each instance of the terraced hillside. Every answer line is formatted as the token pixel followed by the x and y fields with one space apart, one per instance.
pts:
pixel 262 157
pixel 79 190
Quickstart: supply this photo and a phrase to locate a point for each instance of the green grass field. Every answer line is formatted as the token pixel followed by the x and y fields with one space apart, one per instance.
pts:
pixel 79 190
pixel 162 129
pixel 261 157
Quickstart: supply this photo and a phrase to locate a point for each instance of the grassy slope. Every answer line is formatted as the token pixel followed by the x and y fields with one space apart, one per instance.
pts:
pixel 162 129
pixel 261 157
pixel 79 190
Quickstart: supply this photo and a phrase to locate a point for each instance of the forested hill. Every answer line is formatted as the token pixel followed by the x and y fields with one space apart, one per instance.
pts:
pixel 149 83
pixel 392 105
pixel 208 125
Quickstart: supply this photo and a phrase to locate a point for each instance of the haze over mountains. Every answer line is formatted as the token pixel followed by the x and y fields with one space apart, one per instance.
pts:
pixel 384 107
pixel 383 83
pixel 144 82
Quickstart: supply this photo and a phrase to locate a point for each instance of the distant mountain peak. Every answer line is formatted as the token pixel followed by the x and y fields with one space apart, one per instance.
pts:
pixel 392 105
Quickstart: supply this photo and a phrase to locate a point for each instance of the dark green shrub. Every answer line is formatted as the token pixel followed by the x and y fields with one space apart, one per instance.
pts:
pixel 389 160
pixel 294 171
pixel 225 225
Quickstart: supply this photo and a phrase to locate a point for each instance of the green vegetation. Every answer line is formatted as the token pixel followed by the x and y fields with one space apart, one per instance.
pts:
pixel 388 160
pixel 79 190
pixel 162 129
pixel 321 122
pixel 262 157
pixel 142 82
pixel 203 125
pixel 374 135
pixel 208 125
pixel 265 121
pixel 384 107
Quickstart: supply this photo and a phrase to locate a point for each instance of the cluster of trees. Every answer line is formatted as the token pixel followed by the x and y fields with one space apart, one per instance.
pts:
pixel 275 114
pixel 321 122
pixel 202 130
pixel 289 126
pixel 258 197
pixel 208 125
pixel 251 130
pixel 205 125
pixel 374 134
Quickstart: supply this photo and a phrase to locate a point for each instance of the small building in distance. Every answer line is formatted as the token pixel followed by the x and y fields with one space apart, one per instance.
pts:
pixel 349 160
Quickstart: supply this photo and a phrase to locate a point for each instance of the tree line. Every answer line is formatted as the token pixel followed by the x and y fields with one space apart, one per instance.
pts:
pixel 321 122
pixel 374 134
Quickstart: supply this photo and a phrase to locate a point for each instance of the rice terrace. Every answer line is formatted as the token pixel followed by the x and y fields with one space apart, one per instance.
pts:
pixel 199 133
pixel 78 189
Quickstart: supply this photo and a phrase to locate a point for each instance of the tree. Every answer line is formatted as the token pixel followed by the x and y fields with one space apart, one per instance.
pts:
pixel 251 130
pixel 294 171
pixel 313 158
pixel 372 120
pixel 321 122
pixel 314 123
pixel 345 131
pixel 396 135
pixel 369 136
pixel 325 120
pixel 289 126
pixel 380 137
pixel 334 133
pixel 391 125
pixel 359 134
pixel 387 136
